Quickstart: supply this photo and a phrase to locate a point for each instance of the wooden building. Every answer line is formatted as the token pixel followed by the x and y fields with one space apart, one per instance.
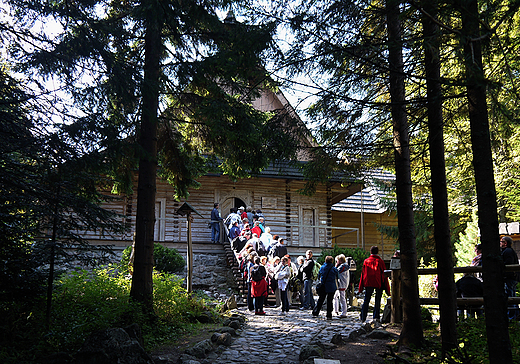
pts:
pixel 305 221
pixel 356 218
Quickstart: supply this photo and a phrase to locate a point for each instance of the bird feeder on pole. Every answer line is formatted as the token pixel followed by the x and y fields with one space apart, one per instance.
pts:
pixel 186 210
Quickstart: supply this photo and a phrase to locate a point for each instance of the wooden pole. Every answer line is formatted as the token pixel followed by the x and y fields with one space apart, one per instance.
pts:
pixel 397 311
pixel 189 258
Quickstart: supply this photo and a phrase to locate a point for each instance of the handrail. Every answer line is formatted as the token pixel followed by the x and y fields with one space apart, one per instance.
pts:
pixel 396 289
pixel 289 241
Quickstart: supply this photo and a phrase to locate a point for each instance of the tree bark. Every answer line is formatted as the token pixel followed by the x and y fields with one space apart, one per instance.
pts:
pixel 411 333
pixel 443 249
pixel 142 288
pixel 495 300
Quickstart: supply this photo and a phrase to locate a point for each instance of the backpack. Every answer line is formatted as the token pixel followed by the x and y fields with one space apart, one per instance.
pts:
pixel 316 270
pixel 256 275
pixel 294 284
pixel 260 248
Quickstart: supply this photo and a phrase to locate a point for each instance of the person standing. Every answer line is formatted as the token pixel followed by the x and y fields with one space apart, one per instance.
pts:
pixel 509 257
pixel 215 224
pixel 258 286
pixel 340 301
pixel 308 267
pixel 282 275
pixel 249 280
pixel 373 279
pixel 279 249
pixel 327 276
pixel 234 232
pixel 477 260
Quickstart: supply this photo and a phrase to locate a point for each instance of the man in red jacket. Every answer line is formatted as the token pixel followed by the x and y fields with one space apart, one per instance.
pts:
pixel 373 278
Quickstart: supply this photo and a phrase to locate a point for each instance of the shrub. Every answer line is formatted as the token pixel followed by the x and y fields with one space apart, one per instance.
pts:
pixel 87 301
pixel 166 260
pixel 359 256
pixel 426 281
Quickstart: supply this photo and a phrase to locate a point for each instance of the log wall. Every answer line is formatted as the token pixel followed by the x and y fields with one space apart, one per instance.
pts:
pixel 303 220
pixel 371 235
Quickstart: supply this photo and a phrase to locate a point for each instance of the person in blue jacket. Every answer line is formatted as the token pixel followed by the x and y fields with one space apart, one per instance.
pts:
pixel 327 277
pixel 215 224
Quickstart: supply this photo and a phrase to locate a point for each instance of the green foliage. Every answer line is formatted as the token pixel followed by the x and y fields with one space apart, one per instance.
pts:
pixel 426 281
pixel 166 260
pixel 86 301
pixel 473 346
pixel 359 256
pixel 465 246
pixel 427 319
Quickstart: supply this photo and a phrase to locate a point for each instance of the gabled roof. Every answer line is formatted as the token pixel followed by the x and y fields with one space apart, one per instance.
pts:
pixel 369 200
pixel 286 170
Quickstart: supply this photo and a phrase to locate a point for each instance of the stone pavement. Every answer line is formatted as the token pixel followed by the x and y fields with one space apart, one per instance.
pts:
pixel 276 338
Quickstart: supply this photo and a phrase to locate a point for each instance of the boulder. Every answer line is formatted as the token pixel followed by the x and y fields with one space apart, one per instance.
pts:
pixel 205 317
pixel 308 351
pixel 231 302
pixel 234 324
pixel 221 339
pixel 355 334
pixel 227 329
pixel 337 339
pixel 134 331
pixel 310 360
pixel 201 349
pixel 187 359
pixel 380 334
pixel 112 346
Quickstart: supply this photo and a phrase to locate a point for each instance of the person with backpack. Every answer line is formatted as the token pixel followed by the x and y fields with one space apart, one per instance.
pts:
pixel 308 279
pixel 326 287
pixel 259 289
pixel 279 249
pixel 249 266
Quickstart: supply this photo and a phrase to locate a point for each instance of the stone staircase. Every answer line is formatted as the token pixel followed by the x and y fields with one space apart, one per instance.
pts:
pixel 234 266
pixel 237 273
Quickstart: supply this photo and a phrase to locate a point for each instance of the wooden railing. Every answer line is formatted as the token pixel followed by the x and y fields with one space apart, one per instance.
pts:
pixel 395 276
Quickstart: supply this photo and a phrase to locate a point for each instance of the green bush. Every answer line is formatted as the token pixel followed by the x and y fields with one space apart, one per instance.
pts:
pixel 166 260
pixel 426 281
pixel 86 301
pixel 359 256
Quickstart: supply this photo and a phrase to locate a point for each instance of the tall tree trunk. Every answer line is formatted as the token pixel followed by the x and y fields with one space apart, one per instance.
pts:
pixel 495 300
pixel 142 289
pixel 411 333
pixel 441 231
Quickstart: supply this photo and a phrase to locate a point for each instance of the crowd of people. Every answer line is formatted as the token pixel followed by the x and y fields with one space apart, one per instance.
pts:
pixel 267 268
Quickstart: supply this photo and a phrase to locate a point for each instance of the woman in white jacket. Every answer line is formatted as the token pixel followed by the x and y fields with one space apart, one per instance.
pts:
pixel 340 301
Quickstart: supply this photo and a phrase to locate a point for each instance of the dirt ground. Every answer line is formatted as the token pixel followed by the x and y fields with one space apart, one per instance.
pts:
pixel 366 351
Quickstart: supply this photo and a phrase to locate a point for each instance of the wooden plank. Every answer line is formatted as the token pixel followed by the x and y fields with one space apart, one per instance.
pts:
pixel 469 301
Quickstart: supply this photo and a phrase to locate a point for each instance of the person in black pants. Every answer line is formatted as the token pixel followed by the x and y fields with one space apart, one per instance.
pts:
pixel 326 287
